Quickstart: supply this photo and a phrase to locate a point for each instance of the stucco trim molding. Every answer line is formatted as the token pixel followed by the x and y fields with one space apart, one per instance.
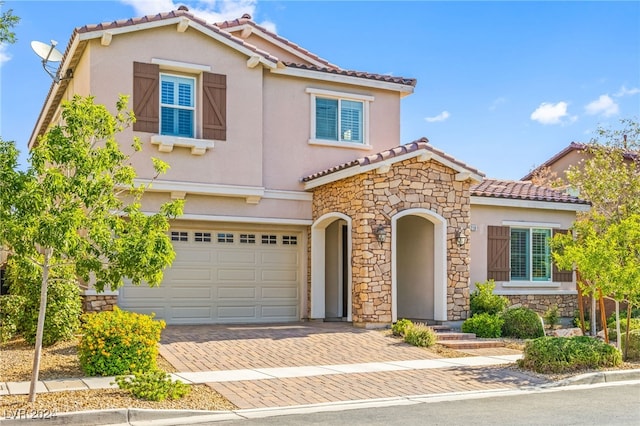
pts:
pixel 534 292
pixel 241 219
pixel 440 281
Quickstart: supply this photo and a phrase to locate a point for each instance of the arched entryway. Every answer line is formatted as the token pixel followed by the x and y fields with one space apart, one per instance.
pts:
pixel 419 263
pixel 331 267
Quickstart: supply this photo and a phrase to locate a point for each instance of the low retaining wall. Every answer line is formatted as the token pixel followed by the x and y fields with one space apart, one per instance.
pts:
pixel 566 303
pixel 99 302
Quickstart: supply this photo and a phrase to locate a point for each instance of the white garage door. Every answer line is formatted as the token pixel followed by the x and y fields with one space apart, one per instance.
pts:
pixel 225 277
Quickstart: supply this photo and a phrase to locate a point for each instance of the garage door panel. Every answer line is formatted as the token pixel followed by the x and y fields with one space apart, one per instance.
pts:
pixel 195 293
pixel 279 258
pixel 188 274
pixel 133 292
pixel 236 256
pixel 237 275
pixel 278 312
pixel 279 276
pixel 192 313
pixel 236 293
pixel 279 293
pixel 192 255
pixel 237 312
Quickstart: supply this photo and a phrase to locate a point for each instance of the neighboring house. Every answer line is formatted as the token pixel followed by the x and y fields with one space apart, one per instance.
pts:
pixel 301 201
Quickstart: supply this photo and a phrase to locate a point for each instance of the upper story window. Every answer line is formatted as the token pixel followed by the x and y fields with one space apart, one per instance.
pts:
pixel 177 105
pixel 181 104
pixel 339 119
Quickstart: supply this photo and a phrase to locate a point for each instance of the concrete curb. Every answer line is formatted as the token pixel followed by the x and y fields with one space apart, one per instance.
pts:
pixel 598 377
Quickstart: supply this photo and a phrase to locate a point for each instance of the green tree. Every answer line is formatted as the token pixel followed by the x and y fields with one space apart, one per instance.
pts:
pixel 76 206
pixel 7 21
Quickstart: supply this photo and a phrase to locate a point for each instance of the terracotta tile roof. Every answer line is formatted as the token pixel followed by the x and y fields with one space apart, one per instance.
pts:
pixel 170 15
pixel 359 74
pixel 522 190
pixel 420 144
pixel 246 20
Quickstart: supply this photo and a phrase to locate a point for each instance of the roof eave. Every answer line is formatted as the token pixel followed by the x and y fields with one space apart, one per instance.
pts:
pixel 487 200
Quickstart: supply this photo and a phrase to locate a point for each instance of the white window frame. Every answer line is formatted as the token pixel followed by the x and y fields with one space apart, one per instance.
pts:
pixel 331 94
pixel 194 109
pixel 529 281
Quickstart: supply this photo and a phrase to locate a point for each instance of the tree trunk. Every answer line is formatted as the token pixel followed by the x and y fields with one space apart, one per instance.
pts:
pixel 594 329
pixel 618 336
pixel 603 318
pixel 626 337
pixel 40 329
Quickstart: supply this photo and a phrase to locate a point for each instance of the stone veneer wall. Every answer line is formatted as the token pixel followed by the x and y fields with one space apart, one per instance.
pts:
pixel 567 303
pixel 99 302
pixel 371 199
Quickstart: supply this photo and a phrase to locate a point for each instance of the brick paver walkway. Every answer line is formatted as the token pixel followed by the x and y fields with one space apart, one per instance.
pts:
pixel 219 347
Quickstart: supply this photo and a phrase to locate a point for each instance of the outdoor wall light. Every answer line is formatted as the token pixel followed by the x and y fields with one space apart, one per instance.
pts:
pixel 381 233
pixel 461 237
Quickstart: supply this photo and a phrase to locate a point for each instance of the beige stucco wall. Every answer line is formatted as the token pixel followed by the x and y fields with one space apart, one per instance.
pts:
pixel 483 216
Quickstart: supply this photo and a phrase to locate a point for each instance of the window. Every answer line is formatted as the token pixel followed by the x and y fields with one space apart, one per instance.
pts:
pixel 247 238
pixel 225 238
pixel 269 239
pixel 521 254
pixel 179 236
pixel 202 237
pixel 530 254
pixel 177 106
pixel 339 118
pixel 188 104
pixel 289 240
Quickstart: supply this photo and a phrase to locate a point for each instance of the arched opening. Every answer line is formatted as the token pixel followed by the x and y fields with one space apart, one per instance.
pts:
pixel 331 267
pixel 419 281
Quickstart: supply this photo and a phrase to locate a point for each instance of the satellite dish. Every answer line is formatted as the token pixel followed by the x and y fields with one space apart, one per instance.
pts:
pixel 49 53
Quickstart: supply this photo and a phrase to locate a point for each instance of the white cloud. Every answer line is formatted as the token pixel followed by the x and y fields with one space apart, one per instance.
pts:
pixel 497 102
pixel 4 56
pixel 209 10
pixel 548 113
pixel 440 117
pixel 627 92
pixel 604 105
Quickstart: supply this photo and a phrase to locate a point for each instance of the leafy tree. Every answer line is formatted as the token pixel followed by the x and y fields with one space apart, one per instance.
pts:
pixel 76 206
pixel 7 21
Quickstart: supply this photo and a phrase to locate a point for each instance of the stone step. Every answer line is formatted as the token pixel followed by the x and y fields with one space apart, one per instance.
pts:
pixel 440 328
pixel 451 335
pixel 471 344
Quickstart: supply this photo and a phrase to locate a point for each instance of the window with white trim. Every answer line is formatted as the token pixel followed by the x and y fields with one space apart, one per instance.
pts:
pixel 179 236
pixel 339 118
pixel 225 238
pixel 202 237
pixel 289 240
pixel 269 239
pixel 247 238
pixel 177 105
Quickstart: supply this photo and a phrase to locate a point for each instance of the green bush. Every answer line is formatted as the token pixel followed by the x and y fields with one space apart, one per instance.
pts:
pixel 420 335
pixel 64 304
pixel 634 324
pixel 521 323
pixel 566 354
pixel 552 316
pixel 400 327
pixel 576 319
pixel 633 353
pixel 483 325
pixel 154 385
pixel 482 299
pixel 118 342
pixel 11 316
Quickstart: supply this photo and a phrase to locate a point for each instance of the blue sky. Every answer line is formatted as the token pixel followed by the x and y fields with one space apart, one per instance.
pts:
pixel 501 85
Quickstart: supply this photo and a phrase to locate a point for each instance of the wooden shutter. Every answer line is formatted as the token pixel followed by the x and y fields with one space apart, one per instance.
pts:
pixel 214 106
pixel 498 242
pixel 557 274
pixel 146 97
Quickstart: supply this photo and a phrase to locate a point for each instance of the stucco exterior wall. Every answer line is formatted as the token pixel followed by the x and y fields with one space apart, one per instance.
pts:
pixel 371 199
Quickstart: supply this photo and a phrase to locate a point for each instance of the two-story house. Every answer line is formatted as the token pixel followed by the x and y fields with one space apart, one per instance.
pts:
pixel 301 200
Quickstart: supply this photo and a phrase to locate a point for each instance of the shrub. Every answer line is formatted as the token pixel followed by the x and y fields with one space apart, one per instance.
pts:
pixel 420 335
pixel 634 324
pixel 483 325
pixel 64 304
pixel 633 353
pixel 521 323
pixel 552 316
pixel 565 354
pixel 482 299
pixel 11 316
pixel 154 385
pixel 400 327
pixel 576 319
pixel 119 342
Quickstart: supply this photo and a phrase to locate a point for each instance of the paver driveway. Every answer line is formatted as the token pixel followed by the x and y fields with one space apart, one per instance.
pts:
pixel 234 347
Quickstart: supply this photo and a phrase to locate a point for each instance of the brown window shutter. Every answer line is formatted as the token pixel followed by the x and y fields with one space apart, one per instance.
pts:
pixel 557 274
pixel 498 243
pixel 214 106
pixel 146 97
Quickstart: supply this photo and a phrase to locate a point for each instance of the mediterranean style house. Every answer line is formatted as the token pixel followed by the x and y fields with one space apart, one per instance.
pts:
pixel 301 200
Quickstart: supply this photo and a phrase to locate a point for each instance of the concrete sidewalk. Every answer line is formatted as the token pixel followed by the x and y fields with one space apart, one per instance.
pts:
pixel 258 374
